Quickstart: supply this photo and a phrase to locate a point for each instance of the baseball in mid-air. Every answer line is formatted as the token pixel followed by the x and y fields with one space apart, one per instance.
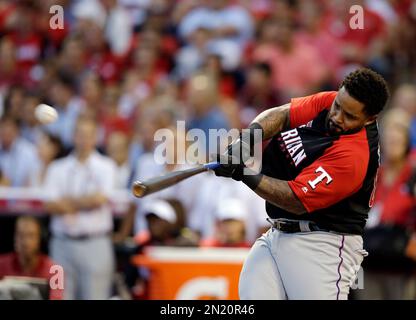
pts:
pixel 46 114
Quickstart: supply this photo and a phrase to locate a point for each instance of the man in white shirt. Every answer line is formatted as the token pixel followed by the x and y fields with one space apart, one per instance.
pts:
pixel 79 187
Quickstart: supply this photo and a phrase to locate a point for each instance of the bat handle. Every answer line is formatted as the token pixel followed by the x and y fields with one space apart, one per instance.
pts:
pixel 211 165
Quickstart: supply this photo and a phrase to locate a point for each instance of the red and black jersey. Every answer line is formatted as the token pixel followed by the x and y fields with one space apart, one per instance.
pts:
pixel 333 176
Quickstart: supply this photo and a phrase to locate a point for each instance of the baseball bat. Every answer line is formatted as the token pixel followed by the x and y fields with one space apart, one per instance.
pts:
pixel 144 188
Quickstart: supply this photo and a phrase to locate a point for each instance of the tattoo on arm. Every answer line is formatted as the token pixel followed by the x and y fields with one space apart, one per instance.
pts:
pixel 273 190
pixel 273 120
pixel 279 194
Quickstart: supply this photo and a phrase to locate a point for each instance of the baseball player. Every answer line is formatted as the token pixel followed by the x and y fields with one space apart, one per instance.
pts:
pixel 317 177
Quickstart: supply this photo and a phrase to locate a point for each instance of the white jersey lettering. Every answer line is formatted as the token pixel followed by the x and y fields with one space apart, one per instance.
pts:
pixel 294 146
pixel 320 178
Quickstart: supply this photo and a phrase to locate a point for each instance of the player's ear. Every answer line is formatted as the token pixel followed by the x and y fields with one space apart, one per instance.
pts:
pixel 370 119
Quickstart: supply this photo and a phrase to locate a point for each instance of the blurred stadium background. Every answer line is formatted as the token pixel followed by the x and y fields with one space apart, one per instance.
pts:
pixel 124 69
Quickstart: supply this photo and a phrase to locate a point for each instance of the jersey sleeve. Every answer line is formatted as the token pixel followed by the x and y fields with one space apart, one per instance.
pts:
pixel 333 177
pixel 305 109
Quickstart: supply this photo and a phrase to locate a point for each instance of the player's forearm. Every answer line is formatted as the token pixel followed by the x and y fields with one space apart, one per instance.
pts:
pixel 273 120
pixel 276 192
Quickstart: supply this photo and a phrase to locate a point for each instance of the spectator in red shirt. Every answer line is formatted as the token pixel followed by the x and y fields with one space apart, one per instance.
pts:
pixel 27 41
pixel 392 216
pixel 258 93
pixel 27 261
pixel 7 14
pixel 110 118
pixel 297 67
pixel 73 57
pixel 359 45
pixel 395 171
pixel 9 73
pixel 313 34
pixel 92 91
pixel 99 57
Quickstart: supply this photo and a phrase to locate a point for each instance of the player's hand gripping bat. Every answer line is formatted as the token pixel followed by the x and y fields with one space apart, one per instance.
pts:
pixel 143 188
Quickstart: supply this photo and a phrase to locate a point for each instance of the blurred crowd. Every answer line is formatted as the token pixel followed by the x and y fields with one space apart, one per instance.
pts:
pixel 119 70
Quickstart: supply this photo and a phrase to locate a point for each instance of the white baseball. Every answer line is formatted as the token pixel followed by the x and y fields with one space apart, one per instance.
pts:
pixel 46 114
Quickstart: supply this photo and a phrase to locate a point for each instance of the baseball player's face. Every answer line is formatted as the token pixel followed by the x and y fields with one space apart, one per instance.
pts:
pixel 346 115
